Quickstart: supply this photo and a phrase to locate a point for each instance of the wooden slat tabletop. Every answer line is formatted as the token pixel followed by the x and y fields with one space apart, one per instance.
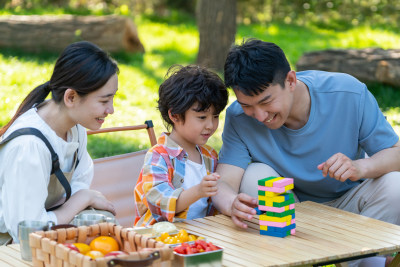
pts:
pixel 11 256
pixel 323 234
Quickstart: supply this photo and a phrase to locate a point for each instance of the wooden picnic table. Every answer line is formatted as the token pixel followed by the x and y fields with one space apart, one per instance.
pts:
pixel 324 235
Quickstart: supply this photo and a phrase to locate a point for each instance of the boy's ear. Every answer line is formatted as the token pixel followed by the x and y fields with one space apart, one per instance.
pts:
pixel 173 117
pixel 70 97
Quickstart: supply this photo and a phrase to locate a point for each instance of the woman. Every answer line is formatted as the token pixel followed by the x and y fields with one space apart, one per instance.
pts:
pixel 83 86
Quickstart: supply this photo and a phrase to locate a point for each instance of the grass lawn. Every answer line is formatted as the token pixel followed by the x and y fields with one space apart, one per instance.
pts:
pixel 169 42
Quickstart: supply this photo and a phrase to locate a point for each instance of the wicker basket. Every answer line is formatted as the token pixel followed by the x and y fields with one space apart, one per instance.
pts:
pixel 48 249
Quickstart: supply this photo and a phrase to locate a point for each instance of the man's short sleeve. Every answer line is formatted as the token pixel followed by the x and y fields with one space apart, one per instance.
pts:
pixel 376 133
pixel 234 151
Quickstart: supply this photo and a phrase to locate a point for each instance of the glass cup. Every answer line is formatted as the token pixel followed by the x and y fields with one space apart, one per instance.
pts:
pixel 91 218
pixel 24 229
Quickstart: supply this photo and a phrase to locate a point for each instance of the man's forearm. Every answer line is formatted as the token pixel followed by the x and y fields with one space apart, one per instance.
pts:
pixel 382 162
pixel 224 198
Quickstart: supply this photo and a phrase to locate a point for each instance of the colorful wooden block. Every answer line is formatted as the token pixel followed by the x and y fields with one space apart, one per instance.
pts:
pixel 264 224
pixel 279 214
pixel 275 209
pixel 274 234
pixel 285 228
pixel 276 189
pixel 275 181
pixel 264 217
pixel 270 203
pixel 267 193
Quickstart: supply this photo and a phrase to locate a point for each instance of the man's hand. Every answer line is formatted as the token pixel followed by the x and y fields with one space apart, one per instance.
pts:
pixel 243 209
pixel 341 168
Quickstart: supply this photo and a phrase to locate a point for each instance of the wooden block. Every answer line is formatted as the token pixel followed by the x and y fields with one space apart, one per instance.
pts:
pixel 280 214
pixel 275 209
pixel 264 217
pixel 276 189
pixel 264 180
pixel 275 234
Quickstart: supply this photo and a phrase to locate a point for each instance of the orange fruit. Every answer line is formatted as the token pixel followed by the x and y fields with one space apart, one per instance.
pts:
pixel 104 244
pixel 94 254
pixel 82 247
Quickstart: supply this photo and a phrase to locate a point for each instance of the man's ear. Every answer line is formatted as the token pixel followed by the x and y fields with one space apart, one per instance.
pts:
pixel 70 97
pixel 173 117
pixel 291 79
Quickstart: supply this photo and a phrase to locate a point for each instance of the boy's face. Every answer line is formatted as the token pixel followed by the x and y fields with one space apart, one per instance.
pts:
pixel 271 107
pixel 197 127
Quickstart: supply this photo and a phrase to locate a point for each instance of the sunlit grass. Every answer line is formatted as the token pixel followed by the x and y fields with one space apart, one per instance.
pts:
pixel 176 42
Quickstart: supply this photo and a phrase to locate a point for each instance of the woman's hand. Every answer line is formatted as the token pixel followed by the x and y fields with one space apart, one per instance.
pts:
pixel 99 201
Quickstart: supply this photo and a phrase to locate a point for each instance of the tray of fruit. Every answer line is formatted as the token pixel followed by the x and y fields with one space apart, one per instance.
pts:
pixel 97 245
pixel 167 233
pixel 197 253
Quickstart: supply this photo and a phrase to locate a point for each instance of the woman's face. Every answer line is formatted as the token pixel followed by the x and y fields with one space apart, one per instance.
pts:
pixel 93 108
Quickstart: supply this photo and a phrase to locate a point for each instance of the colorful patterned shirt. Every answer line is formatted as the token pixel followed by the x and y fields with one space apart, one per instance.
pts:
pixel 160 181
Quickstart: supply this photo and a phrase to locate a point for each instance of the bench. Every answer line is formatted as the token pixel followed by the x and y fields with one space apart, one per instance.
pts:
pixel 115 177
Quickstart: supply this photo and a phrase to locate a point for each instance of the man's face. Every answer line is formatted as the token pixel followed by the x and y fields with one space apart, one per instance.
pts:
pixel 271 107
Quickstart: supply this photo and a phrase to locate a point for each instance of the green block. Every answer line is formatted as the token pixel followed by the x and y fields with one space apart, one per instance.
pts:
pixel 280 214
pixel 262 181
pixel 283 204
pixel 261 202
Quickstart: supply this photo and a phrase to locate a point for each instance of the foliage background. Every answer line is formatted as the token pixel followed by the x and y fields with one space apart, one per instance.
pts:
pixel 169 33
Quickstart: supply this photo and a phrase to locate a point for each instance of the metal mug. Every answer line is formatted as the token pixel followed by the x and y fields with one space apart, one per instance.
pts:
pixel 24 229
pixel 91 218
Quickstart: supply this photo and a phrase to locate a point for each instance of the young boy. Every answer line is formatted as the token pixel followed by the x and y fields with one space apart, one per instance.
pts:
pixel 178 177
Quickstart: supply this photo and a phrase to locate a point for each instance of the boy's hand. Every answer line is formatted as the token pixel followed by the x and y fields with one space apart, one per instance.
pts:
pixel 208 186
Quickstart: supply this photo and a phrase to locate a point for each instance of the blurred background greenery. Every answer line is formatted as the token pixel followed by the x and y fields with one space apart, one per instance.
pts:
pixel 169 33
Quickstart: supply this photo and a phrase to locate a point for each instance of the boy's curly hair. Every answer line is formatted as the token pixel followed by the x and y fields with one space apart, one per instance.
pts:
pixel 187 85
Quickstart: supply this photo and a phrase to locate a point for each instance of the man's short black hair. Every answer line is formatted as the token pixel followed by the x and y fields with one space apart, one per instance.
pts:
pixel 254 65
pixel 185 86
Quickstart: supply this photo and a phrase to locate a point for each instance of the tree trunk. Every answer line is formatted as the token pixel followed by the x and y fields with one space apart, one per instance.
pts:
pixel 367 65
pixel 54 33
pixel 216 20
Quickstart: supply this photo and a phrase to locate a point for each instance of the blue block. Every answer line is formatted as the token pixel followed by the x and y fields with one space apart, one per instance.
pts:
pixel 259 212
pixel 281 229
pixel 275 234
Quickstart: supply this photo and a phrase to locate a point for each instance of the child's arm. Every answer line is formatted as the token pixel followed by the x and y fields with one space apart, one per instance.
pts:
pixel 206 188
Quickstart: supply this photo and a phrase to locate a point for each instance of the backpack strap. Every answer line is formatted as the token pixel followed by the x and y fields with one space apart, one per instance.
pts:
pixel 55 165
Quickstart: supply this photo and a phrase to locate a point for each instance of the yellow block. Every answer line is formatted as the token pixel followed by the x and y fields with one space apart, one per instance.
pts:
pixel 264 217
pixel 277 199
pixel 270 183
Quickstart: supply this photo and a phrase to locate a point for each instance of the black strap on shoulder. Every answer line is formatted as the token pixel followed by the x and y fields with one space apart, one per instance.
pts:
pixel 55 168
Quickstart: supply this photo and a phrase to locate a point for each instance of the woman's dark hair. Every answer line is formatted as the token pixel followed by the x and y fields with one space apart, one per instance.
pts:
pixel 254 65
pixel 82 66
pixel 185 86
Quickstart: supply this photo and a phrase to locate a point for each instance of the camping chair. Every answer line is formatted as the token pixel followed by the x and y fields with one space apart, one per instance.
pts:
pixel 115 177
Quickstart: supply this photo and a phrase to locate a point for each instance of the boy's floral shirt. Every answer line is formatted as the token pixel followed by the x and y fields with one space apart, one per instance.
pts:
pixel 160 181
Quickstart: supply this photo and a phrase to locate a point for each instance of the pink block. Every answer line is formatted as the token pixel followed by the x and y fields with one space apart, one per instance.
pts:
pixel 283 182
pixel 293 221
pixel 293 231
pixel 275 224
pixel 275 209
pixel 272 189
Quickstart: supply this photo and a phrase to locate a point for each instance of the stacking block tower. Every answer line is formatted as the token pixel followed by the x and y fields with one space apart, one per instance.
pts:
pixel 276 206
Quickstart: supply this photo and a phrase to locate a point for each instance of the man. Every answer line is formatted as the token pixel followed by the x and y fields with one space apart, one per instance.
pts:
pixel 312 126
